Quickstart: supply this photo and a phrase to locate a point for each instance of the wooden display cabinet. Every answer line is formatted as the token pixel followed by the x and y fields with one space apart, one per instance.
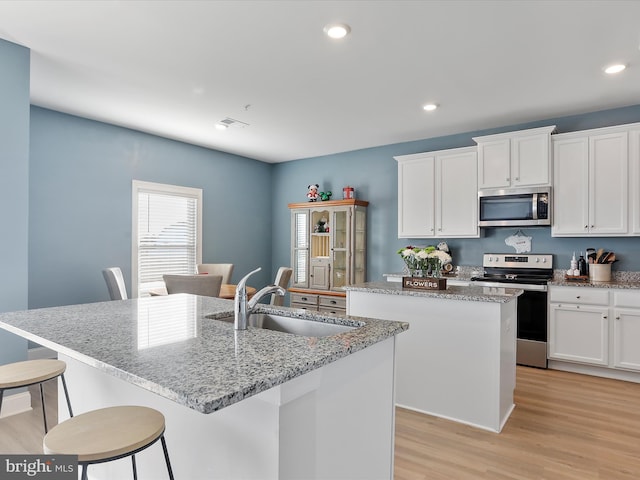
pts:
pixel 328 252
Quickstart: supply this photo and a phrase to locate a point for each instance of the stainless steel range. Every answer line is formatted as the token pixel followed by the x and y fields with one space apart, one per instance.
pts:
pixel 531 273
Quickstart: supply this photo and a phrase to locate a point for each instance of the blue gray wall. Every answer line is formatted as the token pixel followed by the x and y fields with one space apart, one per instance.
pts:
pixel 80 204
pixel 14 190
pixel 373 172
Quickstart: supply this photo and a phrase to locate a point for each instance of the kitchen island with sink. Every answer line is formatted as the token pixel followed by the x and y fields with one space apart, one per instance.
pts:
pixel 248 404
pixel 458 360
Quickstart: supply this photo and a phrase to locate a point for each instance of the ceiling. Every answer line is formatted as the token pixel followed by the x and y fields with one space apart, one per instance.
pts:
pixel 176 68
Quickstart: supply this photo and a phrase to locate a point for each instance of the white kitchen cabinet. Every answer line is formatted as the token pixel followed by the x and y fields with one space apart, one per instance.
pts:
pixel 579 333
pixel 626 329
pixel 579 325
pixel 595 327
pixel 591 172
pixel 438 194
pixel 416 196
pixel 515 159
pixel 634 177
pixel 626 337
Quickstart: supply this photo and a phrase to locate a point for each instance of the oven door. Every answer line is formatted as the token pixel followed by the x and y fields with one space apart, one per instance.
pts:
pixel 531 347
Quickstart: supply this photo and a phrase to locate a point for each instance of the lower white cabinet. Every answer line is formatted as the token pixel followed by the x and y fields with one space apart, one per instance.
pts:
pixel 626 334
pixel 595 326
pixel 626 329
pixel 579 333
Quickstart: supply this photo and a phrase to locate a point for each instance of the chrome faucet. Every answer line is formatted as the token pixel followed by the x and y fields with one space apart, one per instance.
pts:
pixel 243 308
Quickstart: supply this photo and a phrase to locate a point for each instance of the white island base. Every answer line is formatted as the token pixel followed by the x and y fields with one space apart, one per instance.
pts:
pixel 333 422
pixel 457 360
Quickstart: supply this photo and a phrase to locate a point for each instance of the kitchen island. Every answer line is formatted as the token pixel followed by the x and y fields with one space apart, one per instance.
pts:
pixel 252 404
pixel 458 359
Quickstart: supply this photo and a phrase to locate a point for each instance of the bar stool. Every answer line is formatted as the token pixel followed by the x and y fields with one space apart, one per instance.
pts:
pixel 32 372
pixel 108 434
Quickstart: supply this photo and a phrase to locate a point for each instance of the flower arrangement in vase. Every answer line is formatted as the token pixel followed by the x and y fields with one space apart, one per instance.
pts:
pixel 424 261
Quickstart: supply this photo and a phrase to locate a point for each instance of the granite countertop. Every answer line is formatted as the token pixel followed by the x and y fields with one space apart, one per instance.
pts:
pixel 622 280
pixel 169 345
pixel 453 292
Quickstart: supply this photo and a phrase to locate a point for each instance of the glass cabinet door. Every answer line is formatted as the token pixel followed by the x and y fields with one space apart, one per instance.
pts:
pixel 360 247
pixel 300 248
pixel 320 257
pixel 340 249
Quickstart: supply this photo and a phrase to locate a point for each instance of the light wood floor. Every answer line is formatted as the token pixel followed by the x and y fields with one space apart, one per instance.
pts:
pixel 565 427
pixel 23 433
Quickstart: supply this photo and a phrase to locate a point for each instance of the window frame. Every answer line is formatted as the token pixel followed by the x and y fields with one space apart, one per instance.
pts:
pixel 139 186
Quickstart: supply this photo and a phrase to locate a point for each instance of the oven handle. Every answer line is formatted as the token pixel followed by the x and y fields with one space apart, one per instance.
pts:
pixel 522 286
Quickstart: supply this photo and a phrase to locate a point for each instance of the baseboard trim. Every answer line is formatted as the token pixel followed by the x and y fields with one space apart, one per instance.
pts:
pixel 39 353
pixel 15 404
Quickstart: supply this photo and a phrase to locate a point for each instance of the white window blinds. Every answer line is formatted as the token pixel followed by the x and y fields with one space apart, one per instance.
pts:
pixel 167 233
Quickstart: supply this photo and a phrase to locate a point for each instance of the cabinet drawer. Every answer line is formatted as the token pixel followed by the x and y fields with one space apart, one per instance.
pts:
pixel 304 306
pixel 626 298
pixel 581 295
pixel 333 302
pixel 304 298
pixel 331 310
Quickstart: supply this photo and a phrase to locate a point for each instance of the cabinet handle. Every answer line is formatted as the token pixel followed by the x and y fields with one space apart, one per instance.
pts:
pixel 591 226
pixel 333 302
pixel 440 229
pixel 304 299
pixel 517 179
pixel 577 296
pixel 618 317
pixel 507 179
pixel 604 316
pixel 586 226
pixel 432 229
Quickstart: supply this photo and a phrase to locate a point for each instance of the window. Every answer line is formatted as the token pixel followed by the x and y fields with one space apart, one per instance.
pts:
pixel 167 233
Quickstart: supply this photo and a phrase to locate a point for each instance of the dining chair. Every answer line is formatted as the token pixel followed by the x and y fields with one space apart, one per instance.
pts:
pixel 282 280
pixel 205 285
pixel 224 269
pixel 115 283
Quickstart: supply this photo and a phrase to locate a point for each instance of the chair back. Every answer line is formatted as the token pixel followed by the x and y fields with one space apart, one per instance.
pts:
pixel 115 283
pixel 205 285
pixel 223 269
pixel 282 279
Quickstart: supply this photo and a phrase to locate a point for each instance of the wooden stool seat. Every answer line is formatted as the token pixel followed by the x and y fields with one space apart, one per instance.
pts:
pixel 32 372
pixel 108 434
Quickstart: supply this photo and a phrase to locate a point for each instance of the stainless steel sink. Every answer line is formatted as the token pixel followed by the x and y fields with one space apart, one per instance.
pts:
pixel 295 326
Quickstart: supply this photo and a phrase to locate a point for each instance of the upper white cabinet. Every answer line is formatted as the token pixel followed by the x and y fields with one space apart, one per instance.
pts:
pixel 438 194
pixel 634 178
pixel 515 159
pixel 591 184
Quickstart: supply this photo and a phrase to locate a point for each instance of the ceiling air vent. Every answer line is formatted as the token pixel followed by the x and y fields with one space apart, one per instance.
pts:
pixel 233 123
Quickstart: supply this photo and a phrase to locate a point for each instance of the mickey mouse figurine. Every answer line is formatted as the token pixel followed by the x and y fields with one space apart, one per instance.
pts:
pixel 312 194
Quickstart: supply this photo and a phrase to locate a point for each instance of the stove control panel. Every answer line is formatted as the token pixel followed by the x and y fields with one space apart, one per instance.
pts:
pixel 523 260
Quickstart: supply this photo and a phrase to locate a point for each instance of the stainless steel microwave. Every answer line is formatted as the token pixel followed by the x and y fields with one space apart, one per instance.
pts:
pixel 514 207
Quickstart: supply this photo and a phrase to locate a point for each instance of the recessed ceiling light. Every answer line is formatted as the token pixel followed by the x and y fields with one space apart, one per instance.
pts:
pixel 430 107
pixel 617 68
pixel 221 126
pixel 337 30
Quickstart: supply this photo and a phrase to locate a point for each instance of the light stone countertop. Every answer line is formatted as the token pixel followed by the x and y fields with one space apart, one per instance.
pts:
pixel 623 280
pixel 453 292
pixel 169 346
